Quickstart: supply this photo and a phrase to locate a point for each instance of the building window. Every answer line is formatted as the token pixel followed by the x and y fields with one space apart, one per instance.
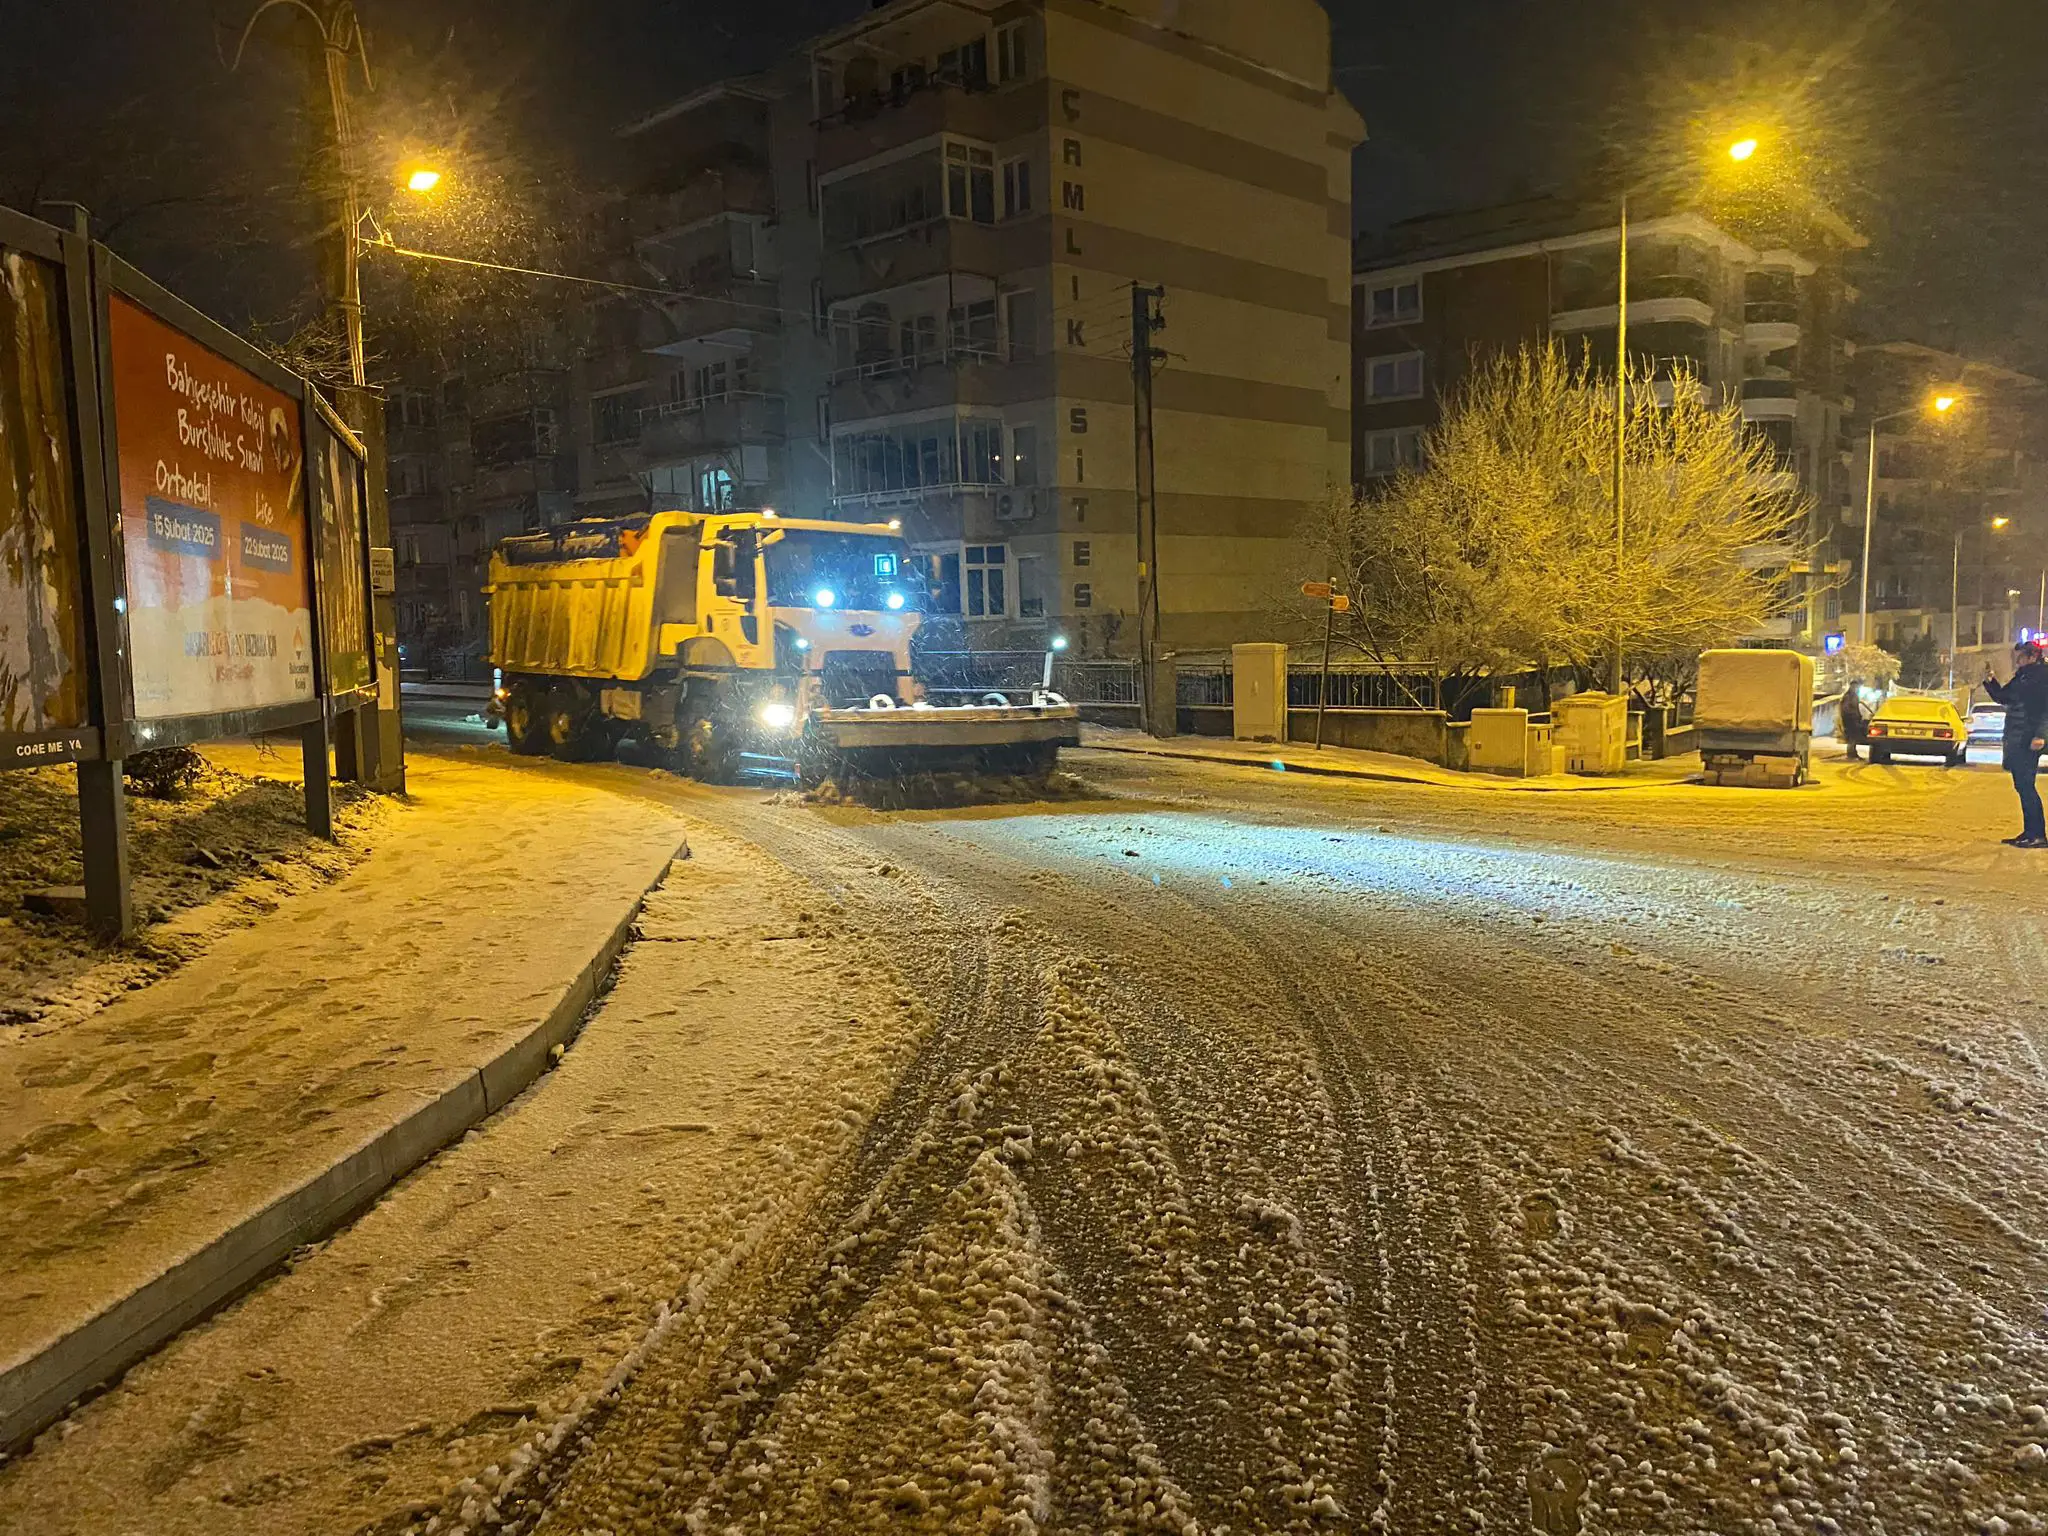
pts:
pixel 1013 54
pixel 1395 304
pixel 714 489
pixel 981 452
pixel 818 305
pixel 970 183
pixel 974 328
pixel 1020 317
pixel 1395 378
pixel 1030 587
pixel 1016 188
pixel 615 418
pixel 454 396
pixel 1024 462
pixel 1386 452
pixel 986 568
pixel 710 382
pixel 1084 595
pixel 1082 552
pixel 966 66
pixel 824 418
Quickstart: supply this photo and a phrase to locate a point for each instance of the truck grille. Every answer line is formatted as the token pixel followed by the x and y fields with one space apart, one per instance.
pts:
pixel 853 677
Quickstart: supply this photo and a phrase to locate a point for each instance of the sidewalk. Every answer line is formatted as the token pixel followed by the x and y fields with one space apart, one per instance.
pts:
pixel 1386 767
pixel 166 1151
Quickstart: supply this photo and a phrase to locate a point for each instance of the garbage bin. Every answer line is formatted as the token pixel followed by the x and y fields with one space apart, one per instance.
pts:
pixel 1593 730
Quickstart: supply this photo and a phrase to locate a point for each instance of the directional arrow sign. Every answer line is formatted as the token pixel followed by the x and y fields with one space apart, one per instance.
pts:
pixel 1315 589
pixel 1340 604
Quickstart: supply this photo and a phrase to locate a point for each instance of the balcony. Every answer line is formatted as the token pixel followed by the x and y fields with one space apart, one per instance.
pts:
pixel 708 193
pixel 720 303
pixel 539 475
pixel 1770 324
pixel 686 429
pixel 931 249
pixel 883 122
pixel 1769 388
pixel 1675 309
pixel 963 375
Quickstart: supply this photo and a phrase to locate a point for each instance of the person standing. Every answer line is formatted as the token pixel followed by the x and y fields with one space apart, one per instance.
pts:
pixel 1854 718
pixel 2025 697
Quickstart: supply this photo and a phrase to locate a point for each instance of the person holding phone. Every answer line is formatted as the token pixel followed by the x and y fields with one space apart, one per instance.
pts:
pixel 2025 697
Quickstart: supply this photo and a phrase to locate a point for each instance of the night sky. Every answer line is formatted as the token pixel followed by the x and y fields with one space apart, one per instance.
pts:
pixel 1922 123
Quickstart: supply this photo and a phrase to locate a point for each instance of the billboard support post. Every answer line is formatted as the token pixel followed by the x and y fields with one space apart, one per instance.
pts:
pixel 319 788
pixel 103 833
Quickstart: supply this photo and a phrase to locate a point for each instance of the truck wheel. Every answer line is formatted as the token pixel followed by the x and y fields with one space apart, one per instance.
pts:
pixel 526 728
pixel 708 753
pixel 575 727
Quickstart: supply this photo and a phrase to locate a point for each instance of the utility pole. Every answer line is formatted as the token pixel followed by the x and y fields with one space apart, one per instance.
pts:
pixel 1147 318
pixel 369 741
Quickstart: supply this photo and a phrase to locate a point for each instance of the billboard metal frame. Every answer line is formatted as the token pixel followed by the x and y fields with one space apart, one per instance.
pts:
pixel 92 276
pixel 62 250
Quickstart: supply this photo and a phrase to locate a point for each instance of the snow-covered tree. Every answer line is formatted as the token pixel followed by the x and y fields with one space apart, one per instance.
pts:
pixel 1501 551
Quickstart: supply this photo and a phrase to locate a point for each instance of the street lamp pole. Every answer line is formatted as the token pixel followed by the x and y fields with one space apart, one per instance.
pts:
pixel 1614 675
pixel 1943 404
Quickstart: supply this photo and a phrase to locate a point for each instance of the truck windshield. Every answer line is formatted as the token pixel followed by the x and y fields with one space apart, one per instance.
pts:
pixel 810 569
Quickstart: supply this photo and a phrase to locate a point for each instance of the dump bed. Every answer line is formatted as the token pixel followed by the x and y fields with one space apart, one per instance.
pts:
pixel 1762 692
pixel 588 600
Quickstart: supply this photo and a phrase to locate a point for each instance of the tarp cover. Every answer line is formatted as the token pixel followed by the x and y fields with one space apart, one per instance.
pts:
pixel 1755 691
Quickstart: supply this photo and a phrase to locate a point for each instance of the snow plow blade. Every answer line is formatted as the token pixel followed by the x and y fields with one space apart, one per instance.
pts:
pixel 939 729
pixel 891 743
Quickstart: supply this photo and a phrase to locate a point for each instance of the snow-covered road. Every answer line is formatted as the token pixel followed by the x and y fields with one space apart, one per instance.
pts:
pixel 1296 1156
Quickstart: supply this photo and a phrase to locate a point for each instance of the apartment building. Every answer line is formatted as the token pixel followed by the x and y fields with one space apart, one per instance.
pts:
pixel 992 176
pixel 1755 315
pixel 481 446
pixel 1959 549
pixel 903 260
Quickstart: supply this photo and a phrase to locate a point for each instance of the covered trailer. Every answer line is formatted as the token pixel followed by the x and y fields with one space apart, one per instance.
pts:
pixel 1754 717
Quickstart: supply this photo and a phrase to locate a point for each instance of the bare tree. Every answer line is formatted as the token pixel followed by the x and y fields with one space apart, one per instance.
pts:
pixel 1501 552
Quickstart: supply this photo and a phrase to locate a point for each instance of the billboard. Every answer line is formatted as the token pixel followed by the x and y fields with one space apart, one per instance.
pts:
pixel 336 478
pixel 213 525
pixel 44 699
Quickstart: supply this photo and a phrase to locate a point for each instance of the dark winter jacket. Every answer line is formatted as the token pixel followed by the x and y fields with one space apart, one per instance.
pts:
pixel 2025 699
pixel 1854 716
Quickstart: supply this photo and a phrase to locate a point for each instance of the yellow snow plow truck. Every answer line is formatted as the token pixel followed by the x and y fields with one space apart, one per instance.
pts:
pixel 737 640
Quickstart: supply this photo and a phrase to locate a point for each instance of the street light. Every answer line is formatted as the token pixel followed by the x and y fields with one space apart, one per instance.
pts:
pixel 1740 151
pixel 1942 405
pixel 1955 583
pixel 422 181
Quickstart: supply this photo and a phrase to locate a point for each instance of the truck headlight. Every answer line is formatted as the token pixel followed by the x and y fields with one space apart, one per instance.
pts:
pixel 776 715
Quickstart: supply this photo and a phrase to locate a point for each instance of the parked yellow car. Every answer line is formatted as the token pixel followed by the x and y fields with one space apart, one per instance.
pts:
pixel 1916 725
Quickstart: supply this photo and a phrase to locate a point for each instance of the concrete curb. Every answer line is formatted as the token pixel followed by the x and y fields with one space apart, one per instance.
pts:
pixel 1379 775
pixel 38 1388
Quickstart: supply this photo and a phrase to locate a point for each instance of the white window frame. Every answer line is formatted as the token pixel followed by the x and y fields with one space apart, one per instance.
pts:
pixel 1012 53
pixel 976 159
pixel 1018 194
pixel 1404 445
pixel 970 568
pixel 1393 360
pixel 1395 314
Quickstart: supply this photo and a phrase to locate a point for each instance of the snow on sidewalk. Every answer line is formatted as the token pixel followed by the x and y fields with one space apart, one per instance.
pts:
pixel 721 1086
pixel 139 1135
pixel 1387 767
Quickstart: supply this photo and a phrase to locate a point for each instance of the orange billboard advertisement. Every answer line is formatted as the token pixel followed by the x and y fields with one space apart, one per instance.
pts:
pixel 213 526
